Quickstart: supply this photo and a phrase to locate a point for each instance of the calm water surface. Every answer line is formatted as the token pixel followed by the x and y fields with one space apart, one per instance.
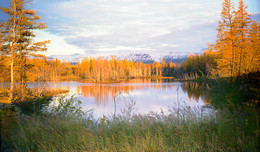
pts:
pixel 146 94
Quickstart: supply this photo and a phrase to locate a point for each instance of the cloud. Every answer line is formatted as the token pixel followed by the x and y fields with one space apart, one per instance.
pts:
pixel 58 44
pixel 121 25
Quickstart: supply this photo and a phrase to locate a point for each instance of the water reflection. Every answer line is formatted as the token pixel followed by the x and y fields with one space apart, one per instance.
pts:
pixel 148 94
pixel 102 93
pixel 197 91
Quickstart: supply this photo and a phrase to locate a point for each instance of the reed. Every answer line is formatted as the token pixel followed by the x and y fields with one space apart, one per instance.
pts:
pixel 55 130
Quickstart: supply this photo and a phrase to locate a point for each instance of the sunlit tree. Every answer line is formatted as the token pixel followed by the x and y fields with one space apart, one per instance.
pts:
pixel 18 35
pixel 226 39
pixel 242 21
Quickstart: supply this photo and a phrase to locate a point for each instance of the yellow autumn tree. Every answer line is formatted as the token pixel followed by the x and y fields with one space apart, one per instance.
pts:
pixel 252 61
pixel 237 41
pixel 17 42
pixel 226 39
pixel 242 21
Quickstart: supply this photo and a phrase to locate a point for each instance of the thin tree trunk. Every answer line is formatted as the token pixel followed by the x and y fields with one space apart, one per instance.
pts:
pixel 241 52
pixel 233 50
pixel 12 73
pixel 12 54
pixel 241 58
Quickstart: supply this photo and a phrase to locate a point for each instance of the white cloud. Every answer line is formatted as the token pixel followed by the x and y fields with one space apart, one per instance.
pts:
pixel 58 44
pixel 120 25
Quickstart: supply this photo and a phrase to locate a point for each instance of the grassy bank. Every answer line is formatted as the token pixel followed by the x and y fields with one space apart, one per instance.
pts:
pixel 55 130
pixel 29 101
pixel 234 126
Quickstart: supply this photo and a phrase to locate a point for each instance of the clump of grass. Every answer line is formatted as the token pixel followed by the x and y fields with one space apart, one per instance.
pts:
pixel 59 131
pixel 34 100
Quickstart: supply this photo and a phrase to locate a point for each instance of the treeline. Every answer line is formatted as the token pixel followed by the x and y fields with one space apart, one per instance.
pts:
pixel 237 48
pixel 98 69
pixel 91 69
pixel 197 66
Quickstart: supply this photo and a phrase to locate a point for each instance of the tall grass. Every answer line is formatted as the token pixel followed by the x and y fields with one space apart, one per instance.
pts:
pixel 55 130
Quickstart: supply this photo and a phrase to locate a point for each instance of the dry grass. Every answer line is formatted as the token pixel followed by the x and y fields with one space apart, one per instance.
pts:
pixel 58 131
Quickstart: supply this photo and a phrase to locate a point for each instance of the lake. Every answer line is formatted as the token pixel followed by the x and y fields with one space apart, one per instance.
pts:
pixel 145 95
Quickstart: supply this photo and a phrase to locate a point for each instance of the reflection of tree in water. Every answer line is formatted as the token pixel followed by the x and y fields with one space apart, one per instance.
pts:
pixel 104 93
pixel 197 91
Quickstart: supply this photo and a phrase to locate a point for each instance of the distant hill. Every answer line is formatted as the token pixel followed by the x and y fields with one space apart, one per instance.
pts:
pixel 144 57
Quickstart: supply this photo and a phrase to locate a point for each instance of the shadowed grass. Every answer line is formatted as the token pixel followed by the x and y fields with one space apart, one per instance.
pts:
pixel 57 131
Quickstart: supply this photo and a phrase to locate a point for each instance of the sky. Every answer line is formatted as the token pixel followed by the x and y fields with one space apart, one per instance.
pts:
pixel 98 27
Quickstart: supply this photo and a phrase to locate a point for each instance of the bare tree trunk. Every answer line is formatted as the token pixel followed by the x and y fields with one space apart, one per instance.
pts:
pixel 12 73
pixel 240 63
pixel 243 40
pixel 233 50
pixel 241 53
pixel 12 54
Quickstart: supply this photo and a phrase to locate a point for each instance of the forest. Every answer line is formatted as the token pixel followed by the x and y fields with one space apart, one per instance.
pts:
pixel 231 67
